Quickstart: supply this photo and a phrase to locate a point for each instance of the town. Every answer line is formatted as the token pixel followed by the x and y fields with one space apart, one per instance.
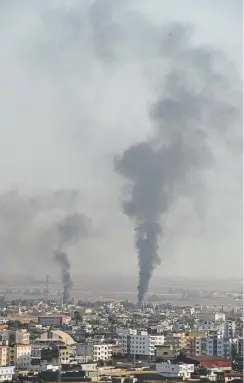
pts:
pixel 110 340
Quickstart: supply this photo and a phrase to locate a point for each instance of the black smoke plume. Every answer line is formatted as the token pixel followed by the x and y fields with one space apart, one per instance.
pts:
pixel 70 230
pixel 190 112
pixel 62 258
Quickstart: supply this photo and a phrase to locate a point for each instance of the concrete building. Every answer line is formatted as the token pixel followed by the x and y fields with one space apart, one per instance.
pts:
pixel 102 352
pixel 193 346
pixel 51 320
pixel 95 352
pixel 3 355
pixel 56 355
pixel 174 371
pixel 140 343
pixel 216 346
pixel 165 353
pixel 176 340
pixel 210 316
pixel 20 356
pixel 227 329
pixel 240 347
pixel 15 336
pixel 6 373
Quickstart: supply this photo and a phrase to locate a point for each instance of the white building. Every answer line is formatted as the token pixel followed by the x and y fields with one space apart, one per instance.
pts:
pixel 22 355
pixel 168 370
pixel 6 373
pixel 140 342
pixel 227 329
pixel 101 352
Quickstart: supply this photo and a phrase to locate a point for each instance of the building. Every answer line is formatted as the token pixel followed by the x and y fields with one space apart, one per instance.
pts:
pixel 227 329
pixel 174 371
pixel 56 355
pixel 217 346
pixel 6 373
pixel 15 336
pixel 193 344
pixel 3 355
pixel 95 352
pixel 84 350
pixel 102 352
pixel 165 353
pixel 19 356
pixel 209 361
pixel 210 316
pixel 176 340
pixel 116 349
pixel 56 335
pixel 240 348
pixel 225 377
pixel 51 320
pixel 140 343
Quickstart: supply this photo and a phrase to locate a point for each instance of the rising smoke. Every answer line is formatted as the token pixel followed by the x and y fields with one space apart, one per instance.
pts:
pixel 87 80
pixel 70 230
pixel 189 114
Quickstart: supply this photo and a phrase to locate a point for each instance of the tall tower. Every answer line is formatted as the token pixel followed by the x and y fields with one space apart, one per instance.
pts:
pixel 46 291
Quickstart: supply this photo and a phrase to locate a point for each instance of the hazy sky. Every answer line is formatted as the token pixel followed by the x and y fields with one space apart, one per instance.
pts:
pixel 77 80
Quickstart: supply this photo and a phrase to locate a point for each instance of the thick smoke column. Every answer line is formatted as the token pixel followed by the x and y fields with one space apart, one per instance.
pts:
pixel 70 230
pixel 62 259
pixel 167 166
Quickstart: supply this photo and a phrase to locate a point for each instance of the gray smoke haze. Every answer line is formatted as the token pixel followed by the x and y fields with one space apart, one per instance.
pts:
pixel 82 81
pixel 71 229
pixel 189 114
pixel 62 259
pixel 31 226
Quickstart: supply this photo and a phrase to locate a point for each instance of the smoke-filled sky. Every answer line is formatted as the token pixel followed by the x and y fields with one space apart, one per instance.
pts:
pixel 78 82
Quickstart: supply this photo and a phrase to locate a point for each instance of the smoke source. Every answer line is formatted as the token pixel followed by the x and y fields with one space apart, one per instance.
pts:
pixel 70 230
pixel 188 116
pixel 62 258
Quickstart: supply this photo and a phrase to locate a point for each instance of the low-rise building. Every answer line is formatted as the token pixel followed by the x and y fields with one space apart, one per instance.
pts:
pixel 174 371
pixel 165 353
pixel 6 373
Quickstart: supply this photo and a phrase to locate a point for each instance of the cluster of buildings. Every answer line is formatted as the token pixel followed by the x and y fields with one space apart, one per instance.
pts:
pixel 171 341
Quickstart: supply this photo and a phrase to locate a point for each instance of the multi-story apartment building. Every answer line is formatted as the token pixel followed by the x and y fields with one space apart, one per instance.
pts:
pixel 101 351
pixel 193 346
pixel 140 342
pixel 3 355
pixel 19 356
pixel 239 347
pixel 176 340
pixel 227 329
pixel 218 346
pixel 15 336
